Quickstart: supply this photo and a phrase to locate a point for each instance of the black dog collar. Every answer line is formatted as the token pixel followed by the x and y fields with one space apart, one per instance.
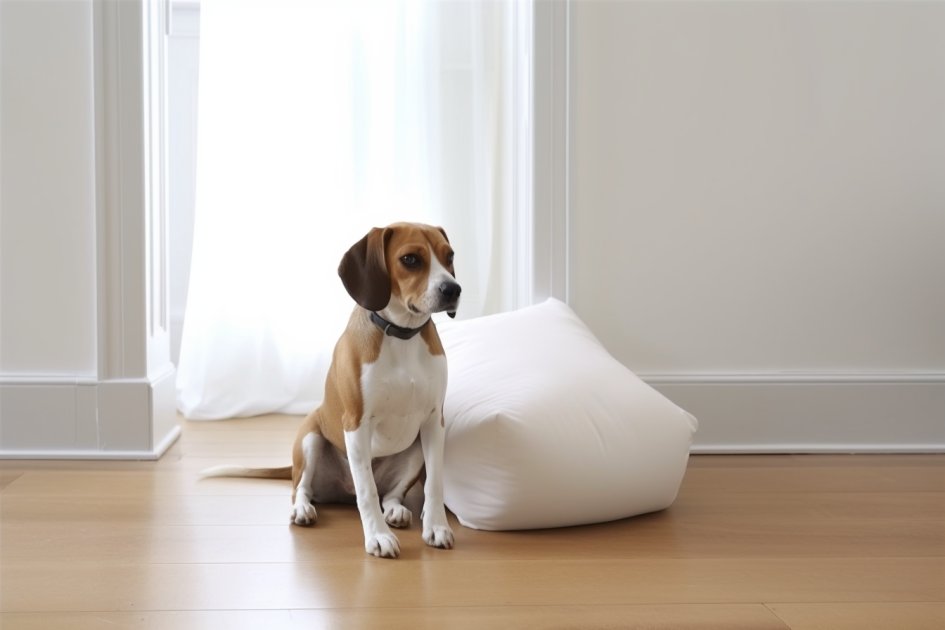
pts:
pixel 393 329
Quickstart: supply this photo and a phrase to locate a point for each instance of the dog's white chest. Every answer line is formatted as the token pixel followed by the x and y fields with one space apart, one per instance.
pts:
pixel 404 388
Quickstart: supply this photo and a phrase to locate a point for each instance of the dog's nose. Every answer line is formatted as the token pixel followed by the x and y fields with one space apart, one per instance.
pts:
pixel 450 291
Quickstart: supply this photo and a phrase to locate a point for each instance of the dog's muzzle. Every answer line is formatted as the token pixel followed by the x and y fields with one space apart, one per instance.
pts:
pixel 448 292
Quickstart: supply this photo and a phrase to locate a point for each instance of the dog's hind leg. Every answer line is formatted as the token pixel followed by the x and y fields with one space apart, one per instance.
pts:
pixel 303 477
pixel 395 475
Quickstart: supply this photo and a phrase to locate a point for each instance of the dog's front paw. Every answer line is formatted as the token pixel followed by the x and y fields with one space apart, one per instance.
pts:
pixel 439 536
pixel 398 516
pixel 304 514
pixel 382 545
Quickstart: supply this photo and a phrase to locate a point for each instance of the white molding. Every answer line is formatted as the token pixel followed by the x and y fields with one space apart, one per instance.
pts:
pixel 519 119
pixel 184 18
pixel 805 448
pixel 551 197
pixel 812 412
pixel 155 191
pixel 131 183
pixel 148 455
pixel 794 377
pixel 44 379
pixel 121 198
pixel 65 380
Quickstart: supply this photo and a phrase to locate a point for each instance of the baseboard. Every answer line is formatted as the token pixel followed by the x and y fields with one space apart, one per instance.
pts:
pixel 812 413
pixel 74 418
pixel 143 455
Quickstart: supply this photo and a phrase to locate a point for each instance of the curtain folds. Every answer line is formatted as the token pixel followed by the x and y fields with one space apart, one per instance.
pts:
pixel 316 122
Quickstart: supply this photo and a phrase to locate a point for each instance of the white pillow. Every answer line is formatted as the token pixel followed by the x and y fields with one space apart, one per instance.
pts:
pixel 544 428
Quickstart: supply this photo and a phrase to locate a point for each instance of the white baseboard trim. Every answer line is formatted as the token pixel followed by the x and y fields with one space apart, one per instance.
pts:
pixel 816 449
pixel 49 417
pixel 796 377
pixel 146 455
pixel 812 412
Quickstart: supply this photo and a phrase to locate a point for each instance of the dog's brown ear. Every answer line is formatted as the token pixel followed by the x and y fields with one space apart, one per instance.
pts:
pixel 443 232
pixel 363 270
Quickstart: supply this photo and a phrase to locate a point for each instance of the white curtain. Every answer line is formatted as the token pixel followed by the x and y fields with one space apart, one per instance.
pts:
pixel 316 122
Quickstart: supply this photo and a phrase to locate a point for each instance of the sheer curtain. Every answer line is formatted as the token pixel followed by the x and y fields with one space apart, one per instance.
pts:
pixel 316 122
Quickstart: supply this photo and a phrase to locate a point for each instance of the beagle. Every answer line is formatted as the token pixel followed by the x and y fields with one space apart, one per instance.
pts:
pixel 380 425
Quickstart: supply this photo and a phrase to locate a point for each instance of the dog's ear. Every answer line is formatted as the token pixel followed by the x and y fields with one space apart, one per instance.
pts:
pixel 363 270
pixel 452 314
pixel 453 270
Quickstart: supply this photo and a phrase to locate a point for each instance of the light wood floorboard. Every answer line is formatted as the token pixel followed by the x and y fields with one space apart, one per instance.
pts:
pixel 679 617
pixel 800 542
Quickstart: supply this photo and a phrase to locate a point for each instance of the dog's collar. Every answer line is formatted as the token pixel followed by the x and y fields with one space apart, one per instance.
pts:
pixel 393 329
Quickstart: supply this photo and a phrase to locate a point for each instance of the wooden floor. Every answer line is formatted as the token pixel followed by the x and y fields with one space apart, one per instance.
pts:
pixel 803 542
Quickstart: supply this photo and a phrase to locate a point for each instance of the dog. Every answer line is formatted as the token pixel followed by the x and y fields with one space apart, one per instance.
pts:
pixel 380 427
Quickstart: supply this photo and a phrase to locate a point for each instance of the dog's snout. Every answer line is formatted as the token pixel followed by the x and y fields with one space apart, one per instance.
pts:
pixel 450 291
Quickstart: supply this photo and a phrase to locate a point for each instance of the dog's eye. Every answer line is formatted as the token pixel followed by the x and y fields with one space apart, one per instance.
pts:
pixel 449 258
pixel 410 261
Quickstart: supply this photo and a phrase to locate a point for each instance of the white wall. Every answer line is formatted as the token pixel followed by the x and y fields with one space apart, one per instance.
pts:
pixel 757 212
pixel 47 181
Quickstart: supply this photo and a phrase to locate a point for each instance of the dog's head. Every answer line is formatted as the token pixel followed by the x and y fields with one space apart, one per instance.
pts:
pixel 409 263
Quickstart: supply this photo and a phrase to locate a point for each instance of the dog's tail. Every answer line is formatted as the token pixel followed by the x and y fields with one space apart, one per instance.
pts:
pixel 240 471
